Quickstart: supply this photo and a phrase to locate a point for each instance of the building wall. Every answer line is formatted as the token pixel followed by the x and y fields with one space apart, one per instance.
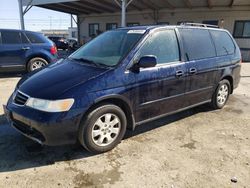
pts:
pixel 73 32
pixel 228 15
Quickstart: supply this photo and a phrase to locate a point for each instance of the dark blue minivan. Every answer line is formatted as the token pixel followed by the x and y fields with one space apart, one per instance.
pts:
pixel 123 78
pixel 24 51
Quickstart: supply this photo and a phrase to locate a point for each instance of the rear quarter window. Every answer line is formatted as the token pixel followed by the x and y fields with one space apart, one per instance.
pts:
pixel 223 43
pixel 197 43
pixel 35 38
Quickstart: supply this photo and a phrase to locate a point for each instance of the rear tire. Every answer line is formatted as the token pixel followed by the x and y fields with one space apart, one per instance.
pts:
pixel 103 128
pixel 36 63
pixel 221 94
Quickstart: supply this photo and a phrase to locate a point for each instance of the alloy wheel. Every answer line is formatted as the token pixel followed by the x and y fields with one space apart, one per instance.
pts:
pixel 222 94
pixel 106 129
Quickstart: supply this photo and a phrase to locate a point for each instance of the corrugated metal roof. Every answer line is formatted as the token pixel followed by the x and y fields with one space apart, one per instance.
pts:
pixel 110 6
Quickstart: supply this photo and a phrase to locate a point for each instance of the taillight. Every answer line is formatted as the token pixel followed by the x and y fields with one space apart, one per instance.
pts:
pixel 53 50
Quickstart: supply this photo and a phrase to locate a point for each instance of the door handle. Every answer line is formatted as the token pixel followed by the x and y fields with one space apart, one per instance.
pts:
pixel 25 48
pixel 192 71
pixel 179 73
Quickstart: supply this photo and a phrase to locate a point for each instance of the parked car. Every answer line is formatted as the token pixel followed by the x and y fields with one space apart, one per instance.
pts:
pixel 123 78
pixel 61 43
pixel 72 43
pixel 22 51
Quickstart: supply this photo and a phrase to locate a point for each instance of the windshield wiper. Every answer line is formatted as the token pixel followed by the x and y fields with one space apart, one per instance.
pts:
pixel 91 62
pixel 86 61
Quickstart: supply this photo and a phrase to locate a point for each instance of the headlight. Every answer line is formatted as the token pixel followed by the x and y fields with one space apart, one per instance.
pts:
pixel 50 105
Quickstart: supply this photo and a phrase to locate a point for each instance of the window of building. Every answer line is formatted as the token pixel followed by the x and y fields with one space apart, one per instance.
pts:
pixel 93 29
pixel 133 24
pixel 110 26
pixel 211 22
pixel 35 38
pixel 242 29
pixel 163 45
pixel 223 43
pixel 73 34
pixel 197 43
pixel 11 37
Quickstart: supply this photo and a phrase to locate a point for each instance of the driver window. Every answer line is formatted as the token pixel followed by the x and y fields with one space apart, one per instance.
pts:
pixel 163 45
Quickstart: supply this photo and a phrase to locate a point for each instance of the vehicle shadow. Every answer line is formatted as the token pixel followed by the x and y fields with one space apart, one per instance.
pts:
pixel 18 152
pixel 166 120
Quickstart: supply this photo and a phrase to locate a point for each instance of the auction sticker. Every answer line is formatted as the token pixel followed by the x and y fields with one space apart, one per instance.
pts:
pixel 136 31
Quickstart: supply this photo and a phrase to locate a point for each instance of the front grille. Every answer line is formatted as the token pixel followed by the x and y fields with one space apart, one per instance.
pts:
pixel 20 98
pixel 27 130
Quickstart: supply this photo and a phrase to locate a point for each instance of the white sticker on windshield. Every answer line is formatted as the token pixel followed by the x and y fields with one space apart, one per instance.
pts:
pixel 136 31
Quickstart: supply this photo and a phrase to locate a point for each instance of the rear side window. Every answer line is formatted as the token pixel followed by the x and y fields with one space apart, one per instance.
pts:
pixel 163 45
pixel 11 37
pixel 35 38
pixel 197 43
pixel 223 43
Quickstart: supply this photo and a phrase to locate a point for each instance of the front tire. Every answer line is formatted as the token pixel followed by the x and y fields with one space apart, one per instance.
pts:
pixel 36 63
pixel 103 128
pixel 221 94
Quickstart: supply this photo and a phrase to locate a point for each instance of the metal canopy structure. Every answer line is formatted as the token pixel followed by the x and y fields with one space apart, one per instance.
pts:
pixel 111 6
pixel 88 7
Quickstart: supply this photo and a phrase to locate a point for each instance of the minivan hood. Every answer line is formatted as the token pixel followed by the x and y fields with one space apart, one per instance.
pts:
pixel 54 80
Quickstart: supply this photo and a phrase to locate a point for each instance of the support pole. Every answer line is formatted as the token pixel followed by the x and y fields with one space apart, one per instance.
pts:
pixel 124 6
pixel 21 14
pixel 78 30
pixel 71 20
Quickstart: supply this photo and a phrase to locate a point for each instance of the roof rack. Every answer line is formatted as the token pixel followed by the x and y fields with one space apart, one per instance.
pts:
pixel 198 25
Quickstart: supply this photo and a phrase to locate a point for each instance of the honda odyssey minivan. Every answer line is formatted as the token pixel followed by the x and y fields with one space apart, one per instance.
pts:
pixel 123 78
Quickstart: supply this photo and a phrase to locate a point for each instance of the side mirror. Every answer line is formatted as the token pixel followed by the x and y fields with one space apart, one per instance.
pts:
pixel 147 61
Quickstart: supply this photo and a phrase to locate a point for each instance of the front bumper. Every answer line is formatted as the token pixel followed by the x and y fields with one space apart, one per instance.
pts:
pixel 45 128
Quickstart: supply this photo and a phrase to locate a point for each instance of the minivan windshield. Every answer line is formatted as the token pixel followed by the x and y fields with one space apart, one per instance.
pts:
pixel 108 48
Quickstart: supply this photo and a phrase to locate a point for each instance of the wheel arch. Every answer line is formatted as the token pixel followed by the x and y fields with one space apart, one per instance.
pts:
pixel 39 55
pixel 230 79
pixel 119 101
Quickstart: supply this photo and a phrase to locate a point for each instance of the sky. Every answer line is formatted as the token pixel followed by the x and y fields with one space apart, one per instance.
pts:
pixel 35 19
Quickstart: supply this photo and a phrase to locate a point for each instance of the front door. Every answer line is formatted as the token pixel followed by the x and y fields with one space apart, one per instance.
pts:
pixel 160 90
pixel 12 51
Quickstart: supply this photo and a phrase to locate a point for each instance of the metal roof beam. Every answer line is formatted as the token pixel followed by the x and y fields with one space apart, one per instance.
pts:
pixel 85 7
pixel 209 4
pixel 135 7
pixel 93 5
pixel 188 4
pixel 231 3
pixel 104 5
pixel 169 5
pixel 72 8
pixel 60 9
pixel 149 4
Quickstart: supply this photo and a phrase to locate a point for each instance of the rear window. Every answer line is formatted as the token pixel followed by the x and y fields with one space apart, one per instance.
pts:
pixel 197 43
pixel 223 43
pixel 11 37
pixel 35 38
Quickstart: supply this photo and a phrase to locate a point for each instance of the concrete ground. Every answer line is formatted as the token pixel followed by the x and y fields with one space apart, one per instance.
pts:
pixel 195 148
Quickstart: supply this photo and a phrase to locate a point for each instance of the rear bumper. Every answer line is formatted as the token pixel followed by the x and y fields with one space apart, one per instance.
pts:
pixel 45 128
